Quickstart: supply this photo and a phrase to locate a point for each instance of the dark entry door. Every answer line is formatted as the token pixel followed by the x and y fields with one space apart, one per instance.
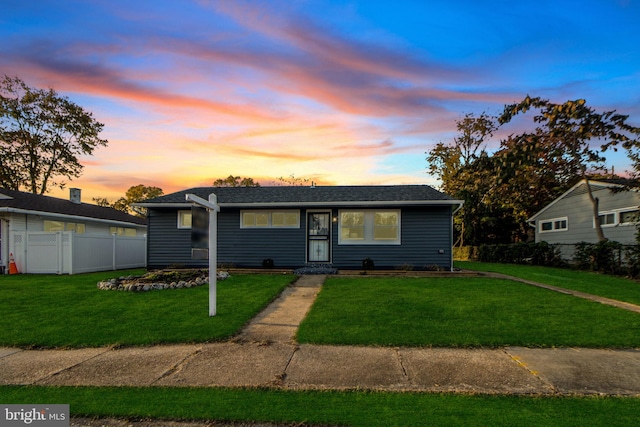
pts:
pixel 319 237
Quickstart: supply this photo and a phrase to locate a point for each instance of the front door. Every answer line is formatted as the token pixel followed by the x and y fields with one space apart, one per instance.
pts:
pixel 319 237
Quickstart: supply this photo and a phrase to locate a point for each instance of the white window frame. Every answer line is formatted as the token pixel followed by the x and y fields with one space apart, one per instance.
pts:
pixel 616 217
pixel 181 215
pixel 369 228
pixel 613 224
pixel 554 223
pixel 266 217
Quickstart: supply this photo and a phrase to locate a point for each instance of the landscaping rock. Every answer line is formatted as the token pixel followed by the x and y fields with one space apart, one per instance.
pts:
pixel 153 281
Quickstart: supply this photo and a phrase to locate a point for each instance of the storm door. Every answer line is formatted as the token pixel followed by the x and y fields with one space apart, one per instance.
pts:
pixel 318 236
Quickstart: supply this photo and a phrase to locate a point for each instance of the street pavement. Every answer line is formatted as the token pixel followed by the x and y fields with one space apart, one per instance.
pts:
pixel 266 354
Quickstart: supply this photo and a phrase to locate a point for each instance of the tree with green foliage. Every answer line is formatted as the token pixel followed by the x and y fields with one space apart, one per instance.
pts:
pixel 135 194
pixel 446 160
pixel 466 172
pixel 235 181
pixel 564 138
pixel 42 135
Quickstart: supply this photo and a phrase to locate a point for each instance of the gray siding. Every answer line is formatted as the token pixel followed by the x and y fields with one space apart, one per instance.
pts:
pixel 166 244
pixel 577 207
pixel 248 247
pixel 425 232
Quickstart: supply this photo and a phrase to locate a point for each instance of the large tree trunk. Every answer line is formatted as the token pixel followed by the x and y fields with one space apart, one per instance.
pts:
pixel 596 213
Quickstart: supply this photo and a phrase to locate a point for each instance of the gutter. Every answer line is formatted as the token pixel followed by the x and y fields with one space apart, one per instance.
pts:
pixel 72 217
pixel 460 204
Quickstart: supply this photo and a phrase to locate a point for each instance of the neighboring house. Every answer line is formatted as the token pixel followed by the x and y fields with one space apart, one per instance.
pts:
pixel 51 235
pixel 404 225
pixel 569 218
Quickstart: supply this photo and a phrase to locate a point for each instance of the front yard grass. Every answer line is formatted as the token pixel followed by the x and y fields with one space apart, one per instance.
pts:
pixel 353 408
pixel 69 311
pixel 614 287
pixel 461 312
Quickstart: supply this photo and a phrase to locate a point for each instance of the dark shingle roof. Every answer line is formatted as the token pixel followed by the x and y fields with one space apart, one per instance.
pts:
pixel 309 195
pixel 18 200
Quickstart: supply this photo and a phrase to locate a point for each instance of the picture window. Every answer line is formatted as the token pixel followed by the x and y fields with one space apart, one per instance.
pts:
pixel 369 227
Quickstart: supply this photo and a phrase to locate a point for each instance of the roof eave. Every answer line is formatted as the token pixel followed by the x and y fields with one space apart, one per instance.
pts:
pixel 314 204
pixel 563 195
pixel 67 216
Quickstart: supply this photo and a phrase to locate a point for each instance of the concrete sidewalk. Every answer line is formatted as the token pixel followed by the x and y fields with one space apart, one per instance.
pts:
pixel 266 355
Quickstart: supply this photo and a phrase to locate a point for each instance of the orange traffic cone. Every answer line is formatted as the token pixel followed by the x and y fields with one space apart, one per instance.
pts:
pixel 13 268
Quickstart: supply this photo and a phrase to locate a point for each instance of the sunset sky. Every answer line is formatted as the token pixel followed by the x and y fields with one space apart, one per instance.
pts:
pixel 340 92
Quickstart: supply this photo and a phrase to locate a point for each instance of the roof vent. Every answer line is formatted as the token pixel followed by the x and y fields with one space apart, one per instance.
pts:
pixel 74 195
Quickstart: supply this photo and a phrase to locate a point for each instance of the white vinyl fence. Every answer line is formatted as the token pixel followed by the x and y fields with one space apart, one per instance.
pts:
pixel 66 252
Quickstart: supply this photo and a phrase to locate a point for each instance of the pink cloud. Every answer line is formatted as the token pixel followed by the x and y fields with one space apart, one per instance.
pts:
pixel 77 75
pixel 298 57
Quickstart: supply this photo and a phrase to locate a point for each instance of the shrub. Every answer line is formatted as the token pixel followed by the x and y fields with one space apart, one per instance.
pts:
pixel 632 258
pixel 541 253
pixel 605 257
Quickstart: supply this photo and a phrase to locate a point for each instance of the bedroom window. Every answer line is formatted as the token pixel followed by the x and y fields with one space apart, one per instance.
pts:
pixel 53 226
pixel 270 219
pixel 629 217
pixel 624 216
pixel 369 227
pixel 556 224
pixel 607 219
pixel 184 219
pixel 123 231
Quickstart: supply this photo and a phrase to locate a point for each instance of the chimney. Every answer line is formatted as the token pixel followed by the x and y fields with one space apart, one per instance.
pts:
pixel 74 195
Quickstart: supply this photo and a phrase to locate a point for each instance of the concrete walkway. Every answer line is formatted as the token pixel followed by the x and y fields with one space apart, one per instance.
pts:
pixel 596 298
pixel 266 354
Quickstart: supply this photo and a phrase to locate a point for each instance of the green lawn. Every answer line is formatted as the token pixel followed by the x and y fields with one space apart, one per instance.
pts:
pixel 353 408
pixel 614 287
pixel 69 311
pixel 461 312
